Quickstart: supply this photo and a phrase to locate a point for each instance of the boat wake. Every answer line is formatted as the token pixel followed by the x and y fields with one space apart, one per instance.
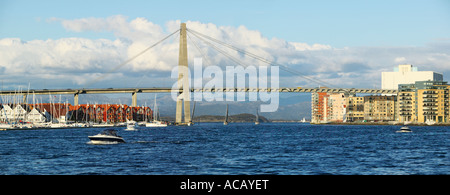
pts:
pixel 102 143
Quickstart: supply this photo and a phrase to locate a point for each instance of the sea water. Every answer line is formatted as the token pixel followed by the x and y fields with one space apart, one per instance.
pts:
pixel 238 148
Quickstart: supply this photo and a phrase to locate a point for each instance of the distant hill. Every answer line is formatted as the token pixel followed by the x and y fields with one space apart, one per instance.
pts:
pixel 239 118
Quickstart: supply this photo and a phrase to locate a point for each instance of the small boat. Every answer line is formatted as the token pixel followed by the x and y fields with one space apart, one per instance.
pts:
pixel 131 126
pixel 404 129
pixel 303 120
pixel 430 122
pixel 155 123
pixel 225 122
pixel 257 117
pixel 107 136
pixel 156 118
pixel 6 126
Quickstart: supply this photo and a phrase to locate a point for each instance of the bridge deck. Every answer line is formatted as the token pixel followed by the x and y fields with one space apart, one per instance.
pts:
pixel 169 90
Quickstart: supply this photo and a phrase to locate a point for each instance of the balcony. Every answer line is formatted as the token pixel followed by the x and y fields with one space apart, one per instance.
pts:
pixel 430 96
pixel 430 109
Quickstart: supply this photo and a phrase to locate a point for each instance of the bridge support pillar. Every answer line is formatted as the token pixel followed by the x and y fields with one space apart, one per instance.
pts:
pixel 134 99
pixel 183 81
pixel 75 99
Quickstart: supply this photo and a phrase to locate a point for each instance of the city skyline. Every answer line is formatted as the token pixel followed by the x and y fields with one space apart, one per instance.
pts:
pixel 66 44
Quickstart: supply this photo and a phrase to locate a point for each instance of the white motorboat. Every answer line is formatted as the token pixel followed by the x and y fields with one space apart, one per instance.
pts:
pixel 155 123
pixel 108 136
pixel 404 129
pixel 131 126
pixel 430 122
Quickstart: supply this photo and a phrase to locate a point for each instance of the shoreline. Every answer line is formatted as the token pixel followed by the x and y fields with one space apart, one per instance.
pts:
pixel 331 123
pixel 382 123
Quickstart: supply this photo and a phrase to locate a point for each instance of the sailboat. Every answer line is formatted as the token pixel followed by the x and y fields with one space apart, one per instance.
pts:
pixel 155 122
pixel 303 120
pixel 192 118
pixel 257 117
pixel 226 117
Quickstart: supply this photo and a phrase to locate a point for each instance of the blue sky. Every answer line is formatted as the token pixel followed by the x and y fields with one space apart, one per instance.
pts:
pixel 336 23
pixel 64 44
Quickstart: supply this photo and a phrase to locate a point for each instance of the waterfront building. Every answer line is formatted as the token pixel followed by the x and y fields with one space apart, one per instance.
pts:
pixel 20 112
pixel 355 111
pixel 328 107
pixel 36 116
pixel 53 112
pixel 433 101
pixel 59 112
pixel 406 103
pixel 407 74
pixel 338 104
pixel 379 108
pixel 320 107
pixel 424 102
pixel 6 113
pixel 14 113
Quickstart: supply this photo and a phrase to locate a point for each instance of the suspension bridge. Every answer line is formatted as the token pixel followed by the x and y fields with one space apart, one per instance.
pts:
pixel 184 90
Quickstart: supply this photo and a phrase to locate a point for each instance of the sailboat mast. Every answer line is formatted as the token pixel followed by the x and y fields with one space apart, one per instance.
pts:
pixel 193 112
pixel 155 112
pixel 226 115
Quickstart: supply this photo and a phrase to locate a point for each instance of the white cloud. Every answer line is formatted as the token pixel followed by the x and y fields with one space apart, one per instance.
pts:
pixel 400 59
pixel 77 60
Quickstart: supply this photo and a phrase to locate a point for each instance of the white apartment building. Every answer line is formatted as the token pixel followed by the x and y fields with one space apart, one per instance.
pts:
pixel 407 74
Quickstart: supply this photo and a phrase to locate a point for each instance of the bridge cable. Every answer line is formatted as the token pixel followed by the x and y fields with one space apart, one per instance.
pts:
pixel 198 48
pixel 283 67
pixel 127 61
pixel 237 61
pixel 222 52
pixel 164 53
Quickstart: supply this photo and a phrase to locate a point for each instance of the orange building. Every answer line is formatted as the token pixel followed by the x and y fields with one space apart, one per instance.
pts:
pixel 320 107
pixel 97 113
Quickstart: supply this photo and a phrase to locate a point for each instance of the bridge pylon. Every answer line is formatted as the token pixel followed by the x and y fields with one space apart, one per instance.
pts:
pixel 183 81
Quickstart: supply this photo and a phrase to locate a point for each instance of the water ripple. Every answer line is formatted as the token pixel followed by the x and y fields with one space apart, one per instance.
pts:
pixel 211 148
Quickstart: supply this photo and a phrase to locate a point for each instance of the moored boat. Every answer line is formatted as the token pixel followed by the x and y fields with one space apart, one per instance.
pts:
pixel 131 126
pixel 155 124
